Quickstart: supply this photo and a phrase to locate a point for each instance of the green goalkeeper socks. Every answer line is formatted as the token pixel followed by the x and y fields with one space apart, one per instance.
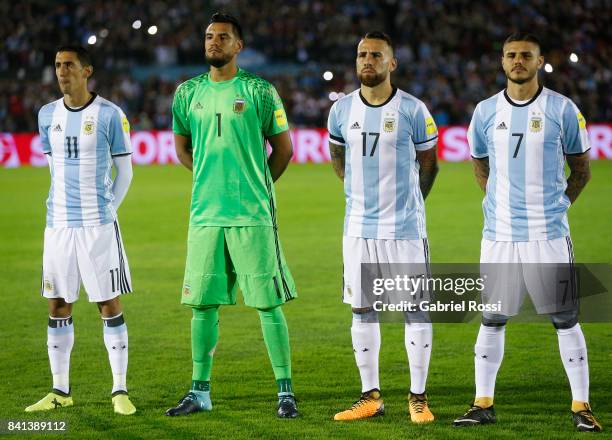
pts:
pixel 276 337
pixel 204 337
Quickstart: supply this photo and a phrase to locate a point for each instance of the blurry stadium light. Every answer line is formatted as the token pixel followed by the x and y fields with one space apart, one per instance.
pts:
pixel 92 39
pixel 327 75
pixel 137 24
pixel 333 96
pixel 573 57
pixel 548 68
pixel 152 30
pixel 104 33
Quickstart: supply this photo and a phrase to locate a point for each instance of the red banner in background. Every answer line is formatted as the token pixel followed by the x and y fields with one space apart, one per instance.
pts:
pixel 309 145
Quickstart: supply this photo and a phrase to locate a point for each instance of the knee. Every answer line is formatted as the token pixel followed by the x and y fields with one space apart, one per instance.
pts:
pixel 204 312
pixel 59 308
pixel 418 317
pixel 494 320
pixel 365 314
pixel 564 320
pixel 110 308
pixel 274 314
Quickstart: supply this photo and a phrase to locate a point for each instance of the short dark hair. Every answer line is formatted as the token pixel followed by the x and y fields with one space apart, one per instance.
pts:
pixel 221 17
pixel 523 36
pixel 378 35
pixel 82 54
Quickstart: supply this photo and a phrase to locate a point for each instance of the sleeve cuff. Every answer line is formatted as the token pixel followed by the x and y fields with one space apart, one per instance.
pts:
pixel 337 139
pixel 578 154
pixel 426 145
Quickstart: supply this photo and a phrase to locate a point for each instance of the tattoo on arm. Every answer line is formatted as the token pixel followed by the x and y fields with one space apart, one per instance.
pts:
pixel 428 169
pixel 580 174
pixel 337 153
pixel 481 171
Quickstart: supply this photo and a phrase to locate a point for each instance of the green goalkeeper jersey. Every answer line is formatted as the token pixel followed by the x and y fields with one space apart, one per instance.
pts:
pixel 228 122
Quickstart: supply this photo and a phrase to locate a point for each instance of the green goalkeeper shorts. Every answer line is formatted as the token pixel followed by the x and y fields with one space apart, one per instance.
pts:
pixel 219 259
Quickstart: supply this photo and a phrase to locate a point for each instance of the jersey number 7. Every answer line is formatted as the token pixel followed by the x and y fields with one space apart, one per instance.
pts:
pixel 518 143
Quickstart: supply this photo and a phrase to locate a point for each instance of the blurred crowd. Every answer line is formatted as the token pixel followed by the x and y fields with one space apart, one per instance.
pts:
pixel 448 51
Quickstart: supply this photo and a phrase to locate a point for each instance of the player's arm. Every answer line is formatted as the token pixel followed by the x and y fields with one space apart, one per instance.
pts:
pixel 337 144
pixel 181 126
pixel 580 174
pixel 184 150
pixel 282 151
pixel 123 178
pixel 424 137
pixel 428 169
pixel 479 148
pixel 575 142
pixel 481 171
pixel 338 156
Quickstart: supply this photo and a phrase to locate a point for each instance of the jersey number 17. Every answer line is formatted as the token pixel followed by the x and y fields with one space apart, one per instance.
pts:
pixel 364 137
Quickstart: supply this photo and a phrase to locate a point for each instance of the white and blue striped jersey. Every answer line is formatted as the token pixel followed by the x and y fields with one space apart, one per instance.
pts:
pixel 81 143
pixel 526 145
pixel 381 181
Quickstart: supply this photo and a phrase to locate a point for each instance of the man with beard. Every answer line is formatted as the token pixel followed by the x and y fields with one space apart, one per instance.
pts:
pixel 221 120
pixel 383 146
pixel 520 139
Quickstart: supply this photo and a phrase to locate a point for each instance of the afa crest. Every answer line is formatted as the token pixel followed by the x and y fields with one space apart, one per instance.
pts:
pixel 47 285
pixel 186 290
pixel 89 127
pixel 535 124
pixel 389 125
pixel 239 105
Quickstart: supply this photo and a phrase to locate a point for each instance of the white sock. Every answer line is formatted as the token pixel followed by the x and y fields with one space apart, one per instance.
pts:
pixel 573 350
pixel 366 346
pixel 418 337
pixel 60 339
pixel 116 341
pixel 488 355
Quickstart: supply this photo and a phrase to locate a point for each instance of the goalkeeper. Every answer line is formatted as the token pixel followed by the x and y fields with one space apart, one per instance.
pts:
pixel 221 120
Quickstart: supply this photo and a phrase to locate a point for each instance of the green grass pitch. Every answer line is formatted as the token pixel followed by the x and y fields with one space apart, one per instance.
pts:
pixel 532 397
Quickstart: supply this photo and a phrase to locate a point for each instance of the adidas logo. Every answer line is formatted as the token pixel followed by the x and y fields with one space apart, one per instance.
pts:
pixel 502 126
pixel 355 126
pixel 57 128
pixel 198 106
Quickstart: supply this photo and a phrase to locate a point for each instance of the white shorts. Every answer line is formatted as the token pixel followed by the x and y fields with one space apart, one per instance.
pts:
pixel 92 254
pixel 543 269
pixel 356 251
